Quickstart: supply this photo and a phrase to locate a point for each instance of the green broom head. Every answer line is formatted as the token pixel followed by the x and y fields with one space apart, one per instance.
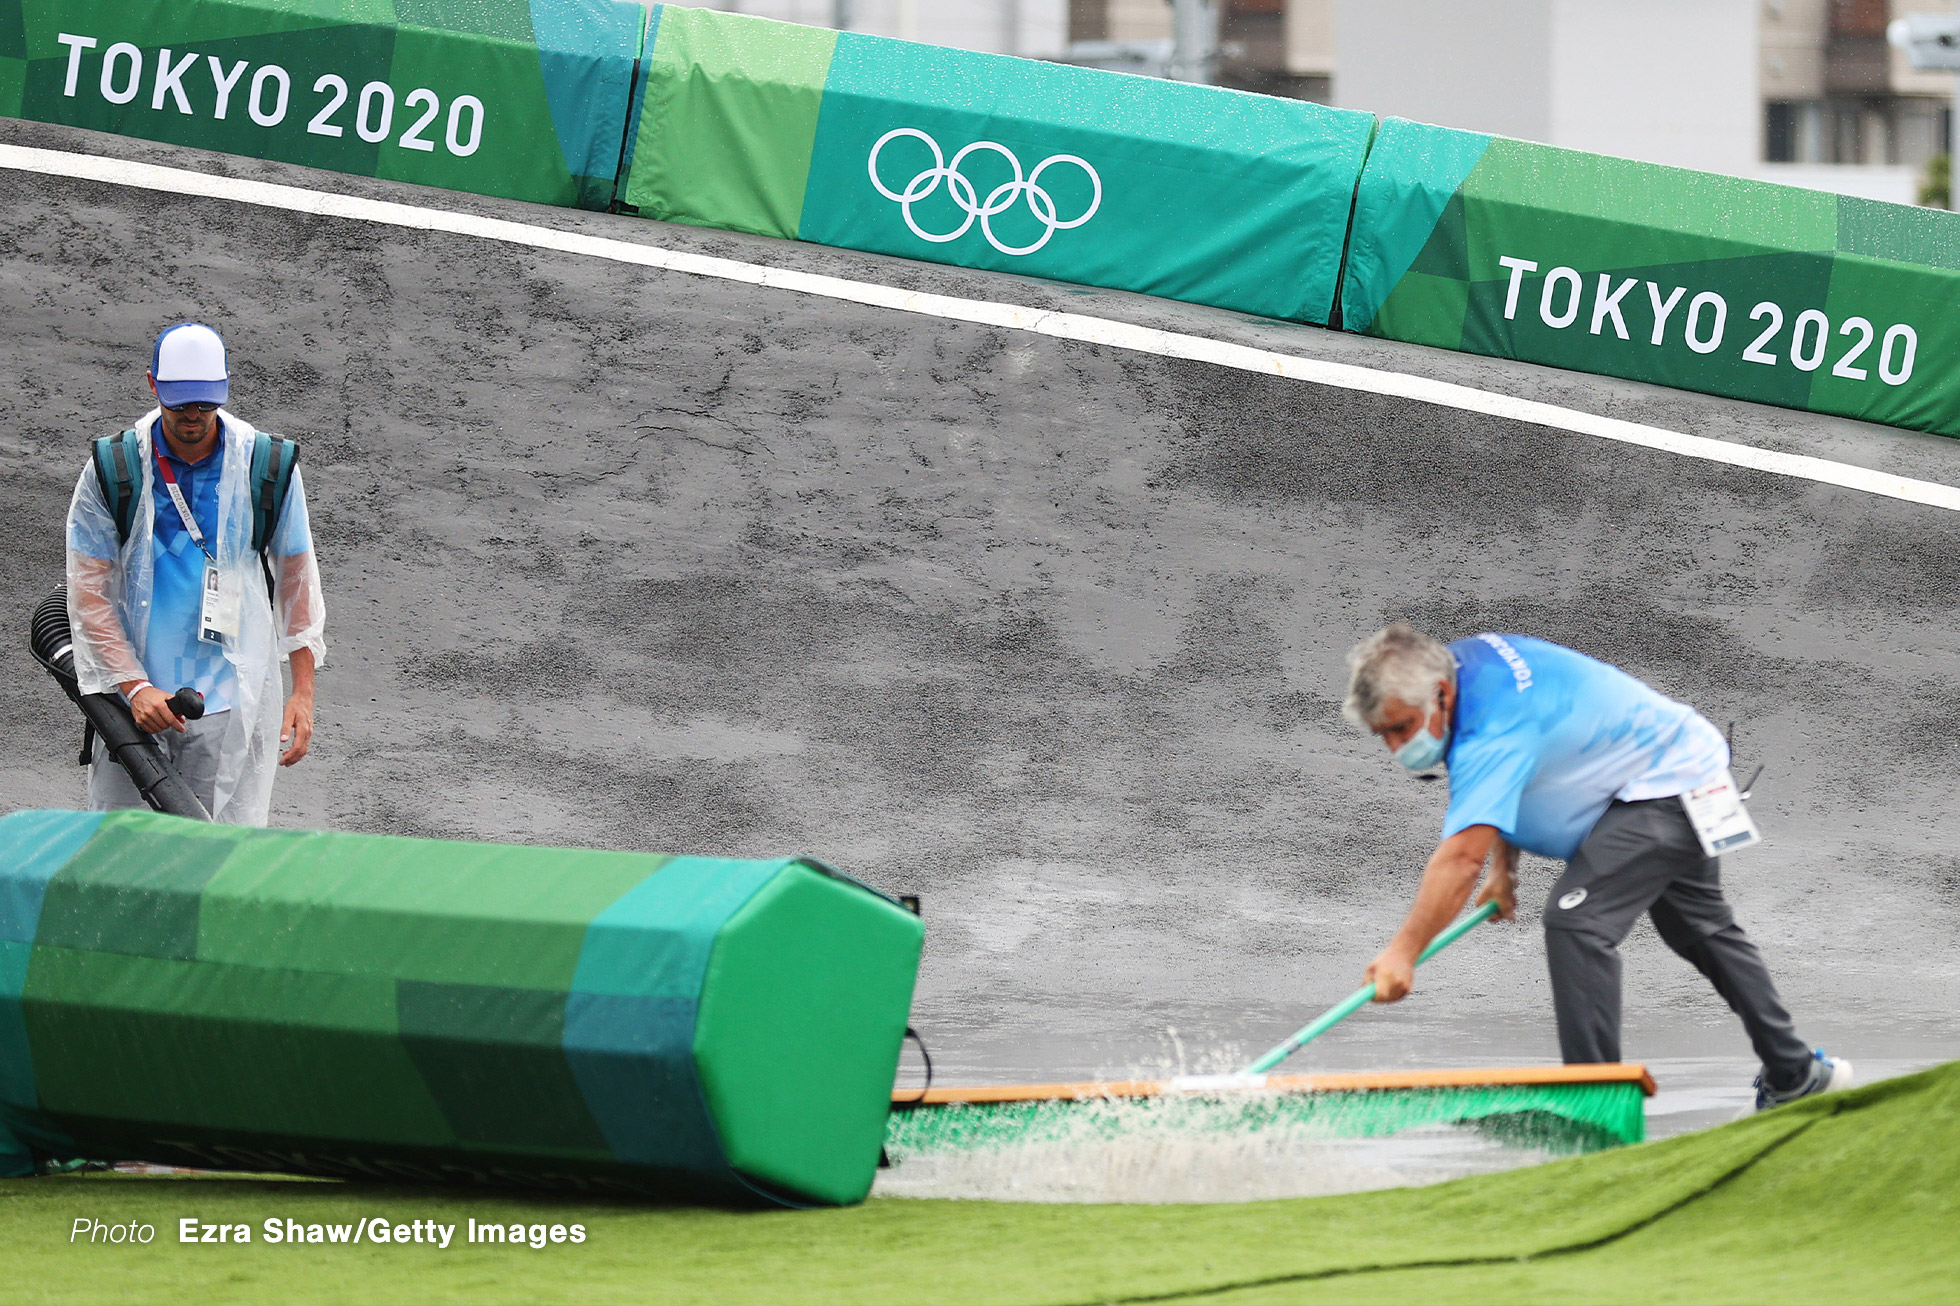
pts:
pixel 1563 1119
pixel 1235 1137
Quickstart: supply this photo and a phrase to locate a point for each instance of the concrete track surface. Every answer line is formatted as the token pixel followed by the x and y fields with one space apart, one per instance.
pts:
pixel 1048 633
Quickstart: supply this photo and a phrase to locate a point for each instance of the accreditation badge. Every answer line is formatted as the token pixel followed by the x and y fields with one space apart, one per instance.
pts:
pixel 1720 817
pixel 222 604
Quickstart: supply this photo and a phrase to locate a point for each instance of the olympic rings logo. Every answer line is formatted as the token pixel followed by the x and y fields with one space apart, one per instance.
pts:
pixel 999 200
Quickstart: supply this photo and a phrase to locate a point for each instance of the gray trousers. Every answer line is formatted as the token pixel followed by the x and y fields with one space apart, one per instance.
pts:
pixel 1645 857
pixel 193 754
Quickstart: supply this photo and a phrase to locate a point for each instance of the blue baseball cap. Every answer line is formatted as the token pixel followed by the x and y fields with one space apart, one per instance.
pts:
pixel 189 366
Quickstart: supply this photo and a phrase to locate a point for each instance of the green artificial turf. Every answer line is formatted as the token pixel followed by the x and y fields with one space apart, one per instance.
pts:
pixel 1853 1197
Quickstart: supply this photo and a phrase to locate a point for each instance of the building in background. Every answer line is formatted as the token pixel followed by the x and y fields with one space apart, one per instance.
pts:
pixel 1281 47
pixel 1799 91
pixel 1835 93
pixel 1278 47
pixel 1669 81
pixel 1037 29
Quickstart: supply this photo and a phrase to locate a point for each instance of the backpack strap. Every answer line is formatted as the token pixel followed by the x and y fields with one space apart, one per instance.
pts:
pixel 273 460
pixel 119 473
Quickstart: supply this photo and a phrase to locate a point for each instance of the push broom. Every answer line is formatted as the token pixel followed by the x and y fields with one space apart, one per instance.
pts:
pixel 1559 1108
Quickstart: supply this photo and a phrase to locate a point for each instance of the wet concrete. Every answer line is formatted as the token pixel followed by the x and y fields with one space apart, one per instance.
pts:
pixel 1048 633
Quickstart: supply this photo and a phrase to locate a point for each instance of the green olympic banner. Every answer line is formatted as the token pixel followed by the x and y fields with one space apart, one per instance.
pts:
pixel 227 998
pixel 525 99
pixel 1703 282
pixel 1189 192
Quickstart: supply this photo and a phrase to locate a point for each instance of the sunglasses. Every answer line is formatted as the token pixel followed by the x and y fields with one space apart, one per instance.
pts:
pixel 202 408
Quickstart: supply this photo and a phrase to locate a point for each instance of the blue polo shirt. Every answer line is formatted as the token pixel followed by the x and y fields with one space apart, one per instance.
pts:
pixel 173 654
pixel 177 596
pixel 1543 739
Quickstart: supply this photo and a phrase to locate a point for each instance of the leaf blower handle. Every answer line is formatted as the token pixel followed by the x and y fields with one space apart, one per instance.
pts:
pixel 1365 994
pixel 108 716
pixel 187 703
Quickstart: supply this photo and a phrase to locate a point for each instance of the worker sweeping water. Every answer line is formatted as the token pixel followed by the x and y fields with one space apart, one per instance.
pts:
pixel 1557 754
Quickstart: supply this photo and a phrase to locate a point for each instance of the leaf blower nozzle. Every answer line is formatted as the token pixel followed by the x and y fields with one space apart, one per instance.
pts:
pixel 48 636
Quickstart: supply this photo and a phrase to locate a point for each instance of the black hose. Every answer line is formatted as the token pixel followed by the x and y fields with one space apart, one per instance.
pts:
pixel 908 1103
pixel 162 788
pixel 48 635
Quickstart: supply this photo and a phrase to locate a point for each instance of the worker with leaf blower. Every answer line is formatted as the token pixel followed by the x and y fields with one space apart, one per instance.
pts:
pixel 1560 755
pixel 190 563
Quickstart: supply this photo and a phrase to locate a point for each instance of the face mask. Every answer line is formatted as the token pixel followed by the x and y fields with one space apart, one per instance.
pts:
pixel 1422 751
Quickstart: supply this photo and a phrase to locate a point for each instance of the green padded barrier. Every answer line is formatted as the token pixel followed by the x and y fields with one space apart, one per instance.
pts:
pixel 37 844
pixel 771 1133
pixel 216 996
pixel 525 99
pixel 1704 282
pixel 726 126
pixel 1191 192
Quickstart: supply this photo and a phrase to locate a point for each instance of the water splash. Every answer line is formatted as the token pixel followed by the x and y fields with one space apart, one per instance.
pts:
pixel 1231 1145
pixel 1142 1165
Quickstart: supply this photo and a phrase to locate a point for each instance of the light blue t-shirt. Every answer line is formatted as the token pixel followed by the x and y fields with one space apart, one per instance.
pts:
pixel 1543 738
pixel 173 653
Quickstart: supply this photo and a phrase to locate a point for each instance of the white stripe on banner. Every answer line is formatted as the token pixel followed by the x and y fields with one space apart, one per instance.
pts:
pixel 1013 317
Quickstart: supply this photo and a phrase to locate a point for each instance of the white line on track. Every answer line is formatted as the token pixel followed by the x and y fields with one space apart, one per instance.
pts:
pixel 1014 317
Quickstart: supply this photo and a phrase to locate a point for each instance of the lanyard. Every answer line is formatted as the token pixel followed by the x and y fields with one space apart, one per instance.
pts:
pixel 184 512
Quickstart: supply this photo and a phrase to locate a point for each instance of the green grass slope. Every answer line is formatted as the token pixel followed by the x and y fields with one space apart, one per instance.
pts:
pixel 1854 1197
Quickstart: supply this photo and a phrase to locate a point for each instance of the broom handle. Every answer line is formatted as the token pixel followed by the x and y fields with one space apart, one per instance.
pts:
pixel 1362 996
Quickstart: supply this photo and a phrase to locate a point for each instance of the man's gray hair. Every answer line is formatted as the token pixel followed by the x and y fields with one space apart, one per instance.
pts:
pixel 1397 662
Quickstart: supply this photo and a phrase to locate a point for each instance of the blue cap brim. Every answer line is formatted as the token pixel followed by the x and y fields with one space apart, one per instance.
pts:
pixel 172 393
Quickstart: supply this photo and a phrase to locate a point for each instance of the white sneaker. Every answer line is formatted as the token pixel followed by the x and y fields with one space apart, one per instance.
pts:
pixel 1828 1075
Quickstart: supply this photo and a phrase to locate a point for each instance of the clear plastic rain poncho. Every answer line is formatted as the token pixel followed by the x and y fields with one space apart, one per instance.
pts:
pixel 109 606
